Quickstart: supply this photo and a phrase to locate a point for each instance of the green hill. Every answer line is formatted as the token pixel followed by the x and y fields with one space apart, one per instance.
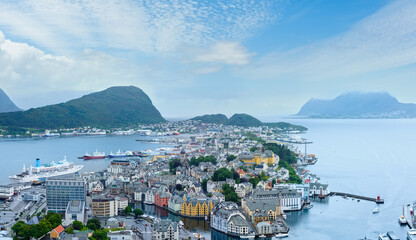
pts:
pixel 212 118
pixel 244 120
pixel 113 107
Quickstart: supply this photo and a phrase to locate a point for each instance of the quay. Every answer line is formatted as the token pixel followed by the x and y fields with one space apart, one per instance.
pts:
pixel 377 200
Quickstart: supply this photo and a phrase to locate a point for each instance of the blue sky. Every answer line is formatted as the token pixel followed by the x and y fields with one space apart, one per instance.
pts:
pixel 265 58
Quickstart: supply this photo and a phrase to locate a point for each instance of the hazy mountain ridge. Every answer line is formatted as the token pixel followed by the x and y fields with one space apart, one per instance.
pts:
pixel 358 105
pixel 7 105
pixel 113 107
pixel 245 120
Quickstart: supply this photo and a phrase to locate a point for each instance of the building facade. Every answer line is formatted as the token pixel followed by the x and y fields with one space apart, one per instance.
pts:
pixel 104 207
pixel 62 189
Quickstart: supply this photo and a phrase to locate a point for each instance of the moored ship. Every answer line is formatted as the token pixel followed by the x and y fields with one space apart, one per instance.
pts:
pixel 95 155
pixel 42 171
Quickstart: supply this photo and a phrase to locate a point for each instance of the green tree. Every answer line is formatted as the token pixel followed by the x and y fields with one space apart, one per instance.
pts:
pixel 21 230
pixel 54 218
pixel 273 182
pixel 230 194
pixel 69 230
pixel 100 235
pixel 173 164
pixel 195 161
pixel 222 174
pixel 94 221
pixel 231 158
pixel 128 210
pixel 204 184
pixel 77 225
pixel 138 212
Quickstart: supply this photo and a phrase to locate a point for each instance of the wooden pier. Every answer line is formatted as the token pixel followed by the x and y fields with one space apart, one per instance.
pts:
pixel 377 200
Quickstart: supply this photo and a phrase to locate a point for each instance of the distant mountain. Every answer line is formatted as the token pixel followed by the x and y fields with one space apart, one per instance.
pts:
pixel 212 118
pixel 244 120
pixel 113 107
pixel 358 105
pixel 6 105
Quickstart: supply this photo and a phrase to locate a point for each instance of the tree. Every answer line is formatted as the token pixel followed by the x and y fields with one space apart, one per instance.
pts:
pixel 54 218
pixel 222 174
pixel 95 222
pixel 138 212
pixel 230 194
pixel 128 210
pixel 21 230
pixel 77 225
pixel 173 164
pixel 100 235
pixel 204 184
pixel 273 182
pixel 69 230
pixel 231 158
pixel 179 187
pixel 195 161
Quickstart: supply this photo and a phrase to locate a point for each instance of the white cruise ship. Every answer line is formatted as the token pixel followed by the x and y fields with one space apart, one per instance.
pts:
pixel 42 171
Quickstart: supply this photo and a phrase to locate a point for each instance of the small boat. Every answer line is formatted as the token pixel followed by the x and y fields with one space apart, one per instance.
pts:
pixel 383 236
pixel 281 235
pixel 376 210
pixel 402 220
pixel 118 154
pixel 95 155
pixel 309 206
pixel 262 236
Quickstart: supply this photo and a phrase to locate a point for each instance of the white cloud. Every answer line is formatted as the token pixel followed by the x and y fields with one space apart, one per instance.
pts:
pixel 26 70
pixel 149 26
pixel 230 53
pixel 384 40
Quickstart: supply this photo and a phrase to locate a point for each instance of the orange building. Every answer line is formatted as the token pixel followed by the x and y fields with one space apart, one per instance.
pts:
pixel 162 199
pixel 55 232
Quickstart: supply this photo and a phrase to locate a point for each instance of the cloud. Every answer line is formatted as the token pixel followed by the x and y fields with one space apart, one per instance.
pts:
pixel 230 53
pixel 384 40
pixel 148 26
pixel 26 70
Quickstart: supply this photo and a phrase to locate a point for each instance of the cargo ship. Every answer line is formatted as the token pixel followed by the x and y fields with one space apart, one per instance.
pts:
pixel 95 155
pixel 43 171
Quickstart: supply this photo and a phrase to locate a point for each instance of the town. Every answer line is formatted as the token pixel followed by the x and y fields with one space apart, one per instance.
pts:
pixel 239 181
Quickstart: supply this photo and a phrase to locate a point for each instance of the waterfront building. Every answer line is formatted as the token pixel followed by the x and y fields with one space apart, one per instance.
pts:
pixel 175 203
pixel 149 196
pixel 61 190
pixel 318 189
pixel 197 207
pixel 226 217
pixel 289 199
pixel 104 207
pixel 302 189
pixel 165 230
pixel 260 210
pixel 6 191
pixel 161 198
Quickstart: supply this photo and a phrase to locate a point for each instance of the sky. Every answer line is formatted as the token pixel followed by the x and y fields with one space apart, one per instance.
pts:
pixel 265 58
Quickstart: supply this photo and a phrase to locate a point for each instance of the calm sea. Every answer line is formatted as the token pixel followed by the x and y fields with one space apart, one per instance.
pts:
pixel 365 157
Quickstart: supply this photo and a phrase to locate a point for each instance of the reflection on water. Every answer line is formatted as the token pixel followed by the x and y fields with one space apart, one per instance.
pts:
pixel 191 224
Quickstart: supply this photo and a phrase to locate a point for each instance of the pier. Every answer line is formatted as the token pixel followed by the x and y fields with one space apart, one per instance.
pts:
pixel 377 200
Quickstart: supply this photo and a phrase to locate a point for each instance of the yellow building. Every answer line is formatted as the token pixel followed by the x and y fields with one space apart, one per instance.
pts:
pixel 264 156
pixel 197 207
pixel 260 210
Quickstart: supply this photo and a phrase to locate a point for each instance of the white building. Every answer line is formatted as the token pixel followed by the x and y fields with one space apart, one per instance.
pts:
pixel 75 211
pixel 165 230
pixel 122 235
pixel 6 191
pixel 175 203
pixel 122 203
pixel 317 189
pixel 149 196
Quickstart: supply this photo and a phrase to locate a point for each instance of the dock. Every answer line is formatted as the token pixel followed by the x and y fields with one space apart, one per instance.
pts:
pixel 377 200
